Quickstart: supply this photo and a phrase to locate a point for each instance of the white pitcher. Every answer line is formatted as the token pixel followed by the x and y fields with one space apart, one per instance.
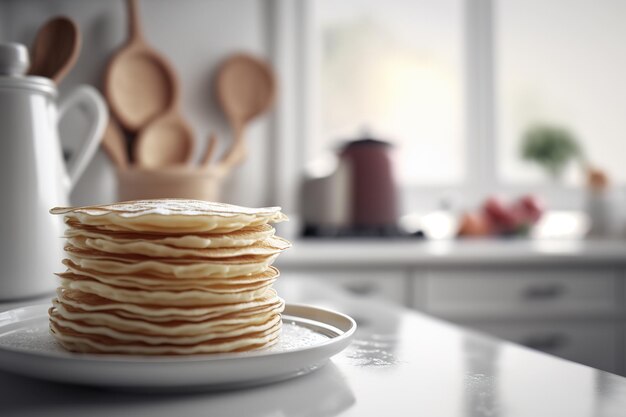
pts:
pixel 33 174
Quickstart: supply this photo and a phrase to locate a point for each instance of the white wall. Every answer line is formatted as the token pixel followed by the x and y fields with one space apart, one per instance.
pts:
pixel 195 35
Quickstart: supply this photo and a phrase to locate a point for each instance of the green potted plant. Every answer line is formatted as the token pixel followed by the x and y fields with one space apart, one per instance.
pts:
pixel 551 147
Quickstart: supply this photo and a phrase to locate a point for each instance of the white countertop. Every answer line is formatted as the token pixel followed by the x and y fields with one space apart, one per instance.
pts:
pixel 406 252
pixel 401 363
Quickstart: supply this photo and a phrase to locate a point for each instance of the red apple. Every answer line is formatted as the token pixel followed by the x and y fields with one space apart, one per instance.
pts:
pixel 502 216
pixel 531 207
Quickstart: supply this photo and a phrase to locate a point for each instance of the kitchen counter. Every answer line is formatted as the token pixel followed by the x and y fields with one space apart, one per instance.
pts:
pixel 401 363
pixel 565 297
pixel 482 252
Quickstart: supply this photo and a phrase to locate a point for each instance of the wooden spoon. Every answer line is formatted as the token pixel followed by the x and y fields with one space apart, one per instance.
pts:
pixel 139 83
pixel 208 153
pixel 115 145
pixel 166 141
pixel 56 49
pixel 245 88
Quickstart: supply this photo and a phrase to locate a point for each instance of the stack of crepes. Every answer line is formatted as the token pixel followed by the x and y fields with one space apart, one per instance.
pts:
pixel 168 277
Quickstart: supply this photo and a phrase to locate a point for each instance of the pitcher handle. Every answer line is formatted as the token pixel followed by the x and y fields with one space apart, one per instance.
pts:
pixel 93 104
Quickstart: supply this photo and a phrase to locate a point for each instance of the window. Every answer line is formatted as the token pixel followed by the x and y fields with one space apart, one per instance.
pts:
pixel 562 63
pixel 395 70
pixel 455 84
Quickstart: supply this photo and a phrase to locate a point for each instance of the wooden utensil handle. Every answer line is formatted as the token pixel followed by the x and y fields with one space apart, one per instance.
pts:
pixel 236 153
pixel 134 25
pixel 114 145
pixel 210 149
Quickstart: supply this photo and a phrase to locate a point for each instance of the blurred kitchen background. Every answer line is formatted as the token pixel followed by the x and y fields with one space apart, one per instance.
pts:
pixel 461 157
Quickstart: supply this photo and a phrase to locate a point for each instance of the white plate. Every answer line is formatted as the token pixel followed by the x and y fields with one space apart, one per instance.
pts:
pixel 309 338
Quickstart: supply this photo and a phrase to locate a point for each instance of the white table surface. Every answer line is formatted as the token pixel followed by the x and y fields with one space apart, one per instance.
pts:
pixel 401 364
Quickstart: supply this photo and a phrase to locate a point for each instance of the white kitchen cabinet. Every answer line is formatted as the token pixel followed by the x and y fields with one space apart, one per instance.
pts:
pixel 564 297
pixel 591 343
pixel 521 292
pixel 568 312
pixel 387 284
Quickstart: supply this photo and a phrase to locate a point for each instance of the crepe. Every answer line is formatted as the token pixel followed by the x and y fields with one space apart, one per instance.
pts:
pixel 169 268
pixel 105 330
pixel 238 238
pixel 176 216
pixel 126 330
pixel 76 341
pixel 147 282
pixel 163 297
pixel 168 277
pixel 152 313
pixel 270 246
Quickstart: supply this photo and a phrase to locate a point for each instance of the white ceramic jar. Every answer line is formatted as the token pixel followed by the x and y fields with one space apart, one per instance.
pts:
pixel 33 174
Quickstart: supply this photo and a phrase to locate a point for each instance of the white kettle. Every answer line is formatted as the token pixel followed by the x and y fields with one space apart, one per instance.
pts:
pixel 33 174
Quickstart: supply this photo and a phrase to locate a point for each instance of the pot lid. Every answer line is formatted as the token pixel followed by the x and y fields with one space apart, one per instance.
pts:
pixel 14 62
pixel 367 141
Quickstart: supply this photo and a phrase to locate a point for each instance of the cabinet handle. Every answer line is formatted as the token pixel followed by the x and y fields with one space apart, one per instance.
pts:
pixel 544 292
pixel 546 342
pixel 360 289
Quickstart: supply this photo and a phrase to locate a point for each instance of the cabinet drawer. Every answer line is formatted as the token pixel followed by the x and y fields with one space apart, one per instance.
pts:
pixel 386 284
pixel 592 344
pixel 539 292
